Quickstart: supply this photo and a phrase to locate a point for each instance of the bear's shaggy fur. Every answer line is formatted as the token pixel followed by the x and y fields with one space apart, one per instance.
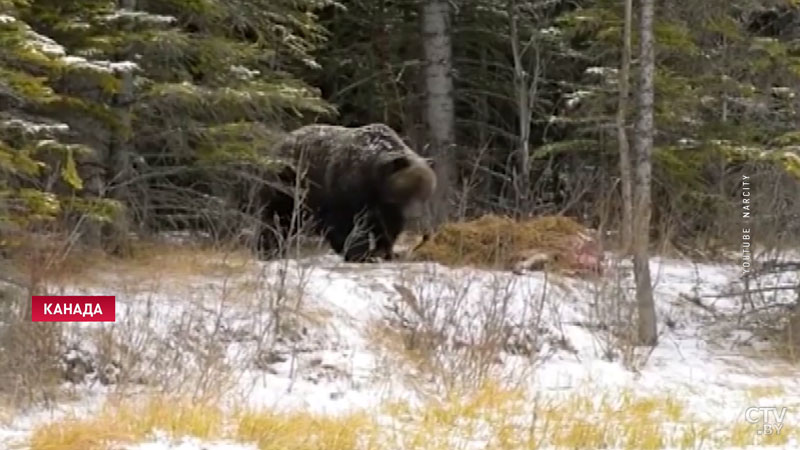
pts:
pixel 358 186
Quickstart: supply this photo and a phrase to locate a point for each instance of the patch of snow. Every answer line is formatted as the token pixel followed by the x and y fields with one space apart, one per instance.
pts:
pixel 598 70
pixel 78 25
pixel 44 44
pixel 100 65
pixel 608 75
pixel 161 441
pixel 332 366
pixel 312 63
pixel 141 16
pixel 574 98
pixel 783 91
pixel 551 31
pixel 34 127
pixel 244 73
pixel 34 40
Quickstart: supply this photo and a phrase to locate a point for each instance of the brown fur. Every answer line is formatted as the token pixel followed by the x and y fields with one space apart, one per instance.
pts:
pixel 348 173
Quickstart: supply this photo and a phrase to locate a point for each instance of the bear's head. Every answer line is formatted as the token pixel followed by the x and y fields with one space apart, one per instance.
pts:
pixel 408 181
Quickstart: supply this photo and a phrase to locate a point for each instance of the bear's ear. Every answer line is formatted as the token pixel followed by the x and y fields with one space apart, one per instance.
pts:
pixel 394 165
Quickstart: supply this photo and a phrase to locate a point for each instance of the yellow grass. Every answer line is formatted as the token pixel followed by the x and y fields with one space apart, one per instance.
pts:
pixel 128 423
pixel 172 261
pixel 304 431
pixel 503 419
pixel 497 242
pixel 52 264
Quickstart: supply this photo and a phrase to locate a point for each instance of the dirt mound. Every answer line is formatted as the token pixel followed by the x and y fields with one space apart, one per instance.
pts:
pixel 498 242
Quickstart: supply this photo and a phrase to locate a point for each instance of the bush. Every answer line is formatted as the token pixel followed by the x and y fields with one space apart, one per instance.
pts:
pixel 29 352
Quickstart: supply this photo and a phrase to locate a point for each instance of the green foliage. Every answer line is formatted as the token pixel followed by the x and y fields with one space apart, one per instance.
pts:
pixel 787 139
pixel 98 209
pixel 70 172
pixel 166 97
pixel 15 161
pixel 570 146
pixel 675 37
pixel 181 83
pixel 791 164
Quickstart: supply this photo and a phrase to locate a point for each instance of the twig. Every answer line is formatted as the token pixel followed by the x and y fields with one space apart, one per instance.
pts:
pixel 695 300
pixel 752 291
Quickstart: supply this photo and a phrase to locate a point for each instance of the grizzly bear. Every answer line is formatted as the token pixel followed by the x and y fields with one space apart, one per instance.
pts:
pixel 358 186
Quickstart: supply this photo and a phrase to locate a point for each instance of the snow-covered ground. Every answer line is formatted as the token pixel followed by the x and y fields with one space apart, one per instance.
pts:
pixel 324 353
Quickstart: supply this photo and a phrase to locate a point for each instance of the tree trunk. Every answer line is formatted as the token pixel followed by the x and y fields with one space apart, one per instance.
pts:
pixel 648 332
pixel 439 106
pixel 119 159
pixel 626 231
pixel 522 178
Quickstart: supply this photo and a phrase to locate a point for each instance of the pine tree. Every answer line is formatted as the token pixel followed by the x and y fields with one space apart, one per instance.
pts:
pixel 154 95
pixel 39 152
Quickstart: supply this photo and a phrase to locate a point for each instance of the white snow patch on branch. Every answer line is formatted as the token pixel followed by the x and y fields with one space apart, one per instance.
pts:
pixel 142 16
pixel 597 70
pixel 783 91
pixel 100 65
pixel 79 25
pixel 36 40
pixel 574 98
pixel 550 31
pixel 45 44
pixel 244 73
pixel 310 62
pixel 33 127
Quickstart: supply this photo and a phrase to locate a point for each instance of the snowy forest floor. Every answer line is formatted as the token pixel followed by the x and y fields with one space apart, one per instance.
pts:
pixel 216 351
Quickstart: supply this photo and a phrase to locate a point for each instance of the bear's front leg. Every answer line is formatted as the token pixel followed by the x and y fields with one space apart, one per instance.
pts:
pixel 357 249
pixel 388 224
pixel 351 247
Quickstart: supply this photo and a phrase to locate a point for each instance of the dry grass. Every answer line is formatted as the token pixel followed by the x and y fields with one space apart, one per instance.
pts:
pixel 123 423
pixel 497 417
pixel 219 299
pixel 152 260
pixel 304 431
pixel 29 354
pixel 437 328
pixel 497 242
pixel 786 339
pixel 50 261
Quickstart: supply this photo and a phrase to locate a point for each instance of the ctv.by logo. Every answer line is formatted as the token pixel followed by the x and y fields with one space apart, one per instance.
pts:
pixel 762 415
